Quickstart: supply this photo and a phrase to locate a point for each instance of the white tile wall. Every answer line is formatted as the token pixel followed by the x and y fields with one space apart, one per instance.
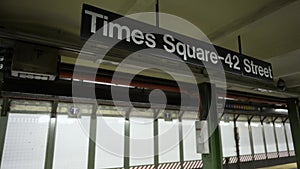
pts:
pixel 189 140
pixel 110 142
pixel 71 142
pixel 168 141
pixel 141 141
pixel 25 141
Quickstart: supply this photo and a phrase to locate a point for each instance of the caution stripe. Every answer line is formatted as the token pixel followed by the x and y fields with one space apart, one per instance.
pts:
pixel 192 164
pixel 169 166
pixel 292 153
pixel 260 156
pixel 283 154
pixel 160 166
pixel 233 160
pixel 246 158
pixel 143 167
pixel 272 155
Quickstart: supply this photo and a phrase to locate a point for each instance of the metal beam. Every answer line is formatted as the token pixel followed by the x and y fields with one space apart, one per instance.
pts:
pixel 251 137
pixel 284 119
pixel 181 148
pixel 157 13
pixel 263 119
pixel 127 141
pixel 155 133
pixel 264 136
pixel 286 139
pixel 237 141
pixel 295 125
pixel 51 137
pixel 276 139
pixel 236 117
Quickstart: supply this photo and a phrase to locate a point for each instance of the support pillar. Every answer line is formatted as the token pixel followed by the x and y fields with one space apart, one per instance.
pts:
pixel 295 126
pixel 127 141
pixel 264 136
pixel 286 138
pixel 251 138
pixel 92 138
pixel 237 141
pixel 276 139
pixel 3 125
pixel 51 137
pixel 181 141
pixel 209 109
pixel 155 133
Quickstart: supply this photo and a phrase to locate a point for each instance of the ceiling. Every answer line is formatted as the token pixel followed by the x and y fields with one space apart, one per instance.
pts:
pixel 269 29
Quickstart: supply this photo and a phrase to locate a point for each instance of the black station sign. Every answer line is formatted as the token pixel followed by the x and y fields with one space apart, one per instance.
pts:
pixel 137 35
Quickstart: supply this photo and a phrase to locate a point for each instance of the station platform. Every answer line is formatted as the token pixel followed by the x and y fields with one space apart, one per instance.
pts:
pixel 285 166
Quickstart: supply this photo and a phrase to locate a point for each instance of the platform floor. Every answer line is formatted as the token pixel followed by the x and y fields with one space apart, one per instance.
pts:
pixel 285 166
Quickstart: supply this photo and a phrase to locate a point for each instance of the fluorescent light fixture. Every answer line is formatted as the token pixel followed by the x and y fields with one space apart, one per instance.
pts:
pixel 109 84
pixel 263 90
pixel 225 98
pixel 95 82
pixel 65 78
pixel 281 111
pixel 76 80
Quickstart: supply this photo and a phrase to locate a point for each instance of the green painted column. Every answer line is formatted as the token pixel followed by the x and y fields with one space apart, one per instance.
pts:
pixel 92 138
pixel 295 126
pixel 214 159
pixel 3 125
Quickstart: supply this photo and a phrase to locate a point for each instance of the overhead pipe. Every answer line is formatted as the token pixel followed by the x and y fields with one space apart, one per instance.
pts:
pixel 104 79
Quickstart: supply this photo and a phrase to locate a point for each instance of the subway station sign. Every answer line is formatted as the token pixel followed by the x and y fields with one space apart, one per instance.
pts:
pixel 135 35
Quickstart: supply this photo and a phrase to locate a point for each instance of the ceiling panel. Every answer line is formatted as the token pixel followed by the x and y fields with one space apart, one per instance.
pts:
pixel 270 36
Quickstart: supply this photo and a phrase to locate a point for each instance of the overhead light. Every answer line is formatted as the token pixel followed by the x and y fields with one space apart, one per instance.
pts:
pixel 226 98
pixel 110 84
pixel 281 111
pixel 76 80
pixel 263 90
